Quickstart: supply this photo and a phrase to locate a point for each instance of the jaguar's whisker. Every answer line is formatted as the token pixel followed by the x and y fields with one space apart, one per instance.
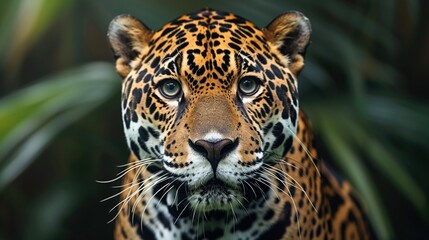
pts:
pixel 180 214
pixel 305 149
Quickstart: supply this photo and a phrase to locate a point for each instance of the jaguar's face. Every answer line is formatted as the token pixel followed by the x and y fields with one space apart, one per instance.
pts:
pixel 210 98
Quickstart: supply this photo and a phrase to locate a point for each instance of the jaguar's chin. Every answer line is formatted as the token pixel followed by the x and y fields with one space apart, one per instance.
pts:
pixel 215 195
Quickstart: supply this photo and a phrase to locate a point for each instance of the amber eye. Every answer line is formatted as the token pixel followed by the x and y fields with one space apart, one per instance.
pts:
pixel 248 86
pixel 170 88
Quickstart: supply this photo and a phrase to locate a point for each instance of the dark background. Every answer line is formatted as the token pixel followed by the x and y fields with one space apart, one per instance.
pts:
pixel 365 86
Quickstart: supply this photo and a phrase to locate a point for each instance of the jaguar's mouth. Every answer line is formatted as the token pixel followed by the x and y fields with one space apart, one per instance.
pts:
pixel 214 195
pixel 214 185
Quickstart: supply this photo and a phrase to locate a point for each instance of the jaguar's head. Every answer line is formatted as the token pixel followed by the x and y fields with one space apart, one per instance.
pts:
pixel 210 98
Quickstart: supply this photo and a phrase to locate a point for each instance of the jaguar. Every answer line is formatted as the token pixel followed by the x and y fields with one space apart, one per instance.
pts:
pixel 219 147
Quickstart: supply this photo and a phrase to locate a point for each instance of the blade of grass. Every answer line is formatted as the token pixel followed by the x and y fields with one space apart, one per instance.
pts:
pixel 407 118
pixel 348 160
pixel 28 22
pixel 59 101
pixel 37 142
pixel 390 167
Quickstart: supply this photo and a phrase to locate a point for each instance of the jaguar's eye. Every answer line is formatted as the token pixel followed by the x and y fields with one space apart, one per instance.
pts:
pixel 248 86
pixel 170 88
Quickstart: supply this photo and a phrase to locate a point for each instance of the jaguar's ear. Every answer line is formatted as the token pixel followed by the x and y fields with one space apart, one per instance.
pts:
pixel 290 34
pixel 128 38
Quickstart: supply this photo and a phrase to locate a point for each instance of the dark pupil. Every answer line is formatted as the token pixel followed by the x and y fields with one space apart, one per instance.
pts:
pixel 247 85
pixel 170 88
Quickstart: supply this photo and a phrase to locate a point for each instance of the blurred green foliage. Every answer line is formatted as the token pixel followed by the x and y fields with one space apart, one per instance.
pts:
pixel 364 86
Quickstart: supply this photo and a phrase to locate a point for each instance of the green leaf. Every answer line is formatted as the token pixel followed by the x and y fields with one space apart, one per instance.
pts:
pixel 27 21
pixel 404 119
pixel 388 165
pixel 348 160
pixel 32 117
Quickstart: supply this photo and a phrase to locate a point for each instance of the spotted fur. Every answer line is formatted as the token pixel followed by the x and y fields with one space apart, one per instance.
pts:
pixel 220 149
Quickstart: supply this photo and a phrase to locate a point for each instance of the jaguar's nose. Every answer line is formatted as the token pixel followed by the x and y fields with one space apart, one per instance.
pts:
pixel 214 152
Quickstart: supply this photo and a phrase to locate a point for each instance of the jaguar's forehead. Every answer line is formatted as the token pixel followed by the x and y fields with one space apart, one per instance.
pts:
pixel 211 45
pixel 208 28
